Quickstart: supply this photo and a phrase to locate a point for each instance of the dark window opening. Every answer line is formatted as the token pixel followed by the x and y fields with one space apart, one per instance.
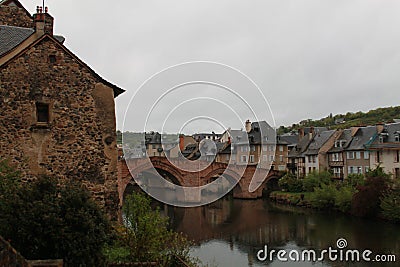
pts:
pixel 42 112
pixel 52 59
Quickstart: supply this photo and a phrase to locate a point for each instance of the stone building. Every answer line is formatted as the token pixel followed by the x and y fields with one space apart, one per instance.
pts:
pixel 57 114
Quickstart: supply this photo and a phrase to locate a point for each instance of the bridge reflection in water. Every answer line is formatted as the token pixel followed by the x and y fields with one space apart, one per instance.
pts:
pixel 229 232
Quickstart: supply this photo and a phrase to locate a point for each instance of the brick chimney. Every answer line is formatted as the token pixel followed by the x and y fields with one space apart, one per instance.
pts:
pixel 43 21
pixel 248 126
pixel 301 133
pixel 379 127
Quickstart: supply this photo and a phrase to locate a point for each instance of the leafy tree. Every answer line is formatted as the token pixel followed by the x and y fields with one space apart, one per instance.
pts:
pixel 378 172
pixel 355 180
pixel 315 179
pixel 343 197
pixel 390 205
pixel 366 202
pixel 323 197
pixel 290 183
pixel 146 236
pixel 45 220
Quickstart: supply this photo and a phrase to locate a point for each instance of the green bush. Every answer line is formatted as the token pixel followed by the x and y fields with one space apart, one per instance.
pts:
pixel 323 197
pixel 355 180
pixel 146 237
pixel 314 180
pixel 390 205
pixel 343 198
pixel 366 202
pixel 290 183
pixel 44 220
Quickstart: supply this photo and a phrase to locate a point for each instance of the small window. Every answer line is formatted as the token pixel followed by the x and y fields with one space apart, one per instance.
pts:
pixel 251 158
pixel 396 138
pixel 42 112
pixel 52 59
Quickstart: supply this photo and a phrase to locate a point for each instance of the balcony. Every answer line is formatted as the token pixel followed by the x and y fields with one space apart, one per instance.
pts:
pixel 336 163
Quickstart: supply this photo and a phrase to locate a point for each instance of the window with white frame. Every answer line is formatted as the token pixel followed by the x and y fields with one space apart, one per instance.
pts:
pixel 397 138
pixel 337 171
pixel 271 158
pixel 280 148
pixel 265 148
pixel 335 157
pixel 358 155
pixel 351 170
pixel 252 148
pixel 265 158
pixel 281 158
pixel 243 148
pixel 243 158
pixel 251 158
pixel 366 155
pixel 350 155
pixel 271 148
pixel 359 170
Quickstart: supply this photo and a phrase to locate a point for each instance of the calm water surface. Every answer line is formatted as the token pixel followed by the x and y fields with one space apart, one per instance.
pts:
pixel 230 232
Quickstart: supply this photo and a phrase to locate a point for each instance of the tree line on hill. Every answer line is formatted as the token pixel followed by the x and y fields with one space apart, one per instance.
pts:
pixel 344 121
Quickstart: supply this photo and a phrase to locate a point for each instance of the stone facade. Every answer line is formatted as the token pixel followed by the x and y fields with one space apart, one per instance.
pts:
pixel 14 15
pixel 74 137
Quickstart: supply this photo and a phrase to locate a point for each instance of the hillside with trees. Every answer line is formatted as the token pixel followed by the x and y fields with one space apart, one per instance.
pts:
pixel 343 121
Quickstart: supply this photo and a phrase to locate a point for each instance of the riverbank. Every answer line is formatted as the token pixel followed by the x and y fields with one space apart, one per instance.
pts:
pixel 304 200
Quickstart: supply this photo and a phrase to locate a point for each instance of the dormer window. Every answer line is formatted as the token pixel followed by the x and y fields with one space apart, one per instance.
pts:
pixel 42 112
pixel 380 139
pixel 397 138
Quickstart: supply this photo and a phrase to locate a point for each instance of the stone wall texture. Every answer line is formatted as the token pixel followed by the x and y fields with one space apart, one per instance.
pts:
pixel 10 257
pixel 79 142
pixel 15 16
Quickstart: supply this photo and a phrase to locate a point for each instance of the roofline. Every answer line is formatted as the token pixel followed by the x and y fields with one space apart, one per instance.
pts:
pixel 15 47
pixel 117 90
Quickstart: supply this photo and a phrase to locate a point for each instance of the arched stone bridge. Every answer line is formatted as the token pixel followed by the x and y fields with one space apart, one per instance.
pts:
pixel 192 179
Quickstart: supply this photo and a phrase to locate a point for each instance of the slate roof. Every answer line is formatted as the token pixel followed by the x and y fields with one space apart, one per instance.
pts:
pixel 301 147
pixel 11 37
pixel 318 141
pixel 345 136
pixel 389 133
pixel 261 133
pixel 363 137
pixel 288 139
pixel 238 136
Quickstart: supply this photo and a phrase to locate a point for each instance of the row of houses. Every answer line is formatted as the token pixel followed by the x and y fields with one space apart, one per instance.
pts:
pixel 349 151
pixel 313 149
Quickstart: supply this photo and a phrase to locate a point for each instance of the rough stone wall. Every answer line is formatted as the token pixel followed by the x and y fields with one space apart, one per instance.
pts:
pixel 10 257
pixel 14 16
pixel 79 142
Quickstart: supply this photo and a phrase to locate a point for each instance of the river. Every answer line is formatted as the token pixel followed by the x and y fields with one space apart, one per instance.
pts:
pixel 231 232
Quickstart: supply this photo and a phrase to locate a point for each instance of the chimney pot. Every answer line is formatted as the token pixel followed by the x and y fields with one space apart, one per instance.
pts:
pixel 46 10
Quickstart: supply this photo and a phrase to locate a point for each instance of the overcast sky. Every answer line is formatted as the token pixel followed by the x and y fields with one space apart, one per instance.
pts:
pixel 309 57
